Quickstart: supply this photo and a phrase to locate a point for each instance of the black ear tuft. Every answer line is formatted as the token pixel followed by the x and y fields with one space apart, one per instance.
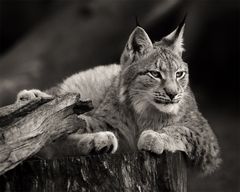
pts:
pixel 137 22
pixel 174 40
pixel 180 26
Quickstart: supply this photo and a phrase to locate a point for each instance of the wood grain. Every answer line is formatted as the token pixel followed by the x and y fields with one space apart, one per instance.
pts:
pixel 26 127
pixel 109 173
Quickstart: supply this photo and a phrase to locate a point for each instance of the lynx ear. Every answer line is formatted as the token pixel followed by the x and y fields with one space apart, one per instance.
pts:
pixel 138 45
pixel 175 39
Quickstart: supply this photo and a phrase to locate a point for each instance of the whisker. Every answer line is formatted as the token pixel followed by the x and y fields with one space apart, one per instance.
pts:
pixel 139 90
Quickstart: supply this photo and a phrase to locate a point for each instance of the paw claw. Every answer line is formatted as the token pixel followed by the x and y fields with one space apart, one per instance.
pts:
pixel 110 149
pixel 98 143
pixel 106 139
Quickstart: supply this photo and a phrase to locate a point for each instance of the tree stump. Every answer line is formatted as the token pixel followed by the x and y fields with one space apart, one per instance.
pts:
pixel 109 173
pixel 26 127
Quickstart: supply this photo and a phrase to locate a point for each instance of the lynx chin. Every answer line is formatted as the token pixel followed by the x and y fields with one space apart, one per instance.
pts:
pixel 144 103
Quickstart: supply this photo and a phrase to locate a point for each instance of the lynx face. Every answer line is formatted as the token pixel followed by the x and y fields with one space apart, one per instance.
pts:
pixel 154 75
pixel 160 81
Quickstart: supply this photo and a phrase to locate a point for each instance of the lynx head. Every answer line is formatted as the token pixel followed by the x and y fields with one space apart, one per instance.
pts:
pixel 153 75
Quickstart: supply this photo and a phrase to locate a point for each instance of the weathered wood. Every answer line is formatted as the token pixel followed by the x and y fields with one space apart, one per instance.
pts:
pixel 26 127
pixel 108 173
pixel 11 112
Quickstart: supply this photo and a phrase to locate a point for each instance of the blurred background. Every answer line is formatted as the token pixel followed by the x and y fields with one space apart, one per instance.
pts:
pixel 44 41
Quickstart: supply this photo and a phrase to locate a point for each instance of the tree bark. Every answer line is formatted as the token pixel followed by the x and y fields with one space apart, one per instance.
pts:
pixel 109 173
pixel 26 127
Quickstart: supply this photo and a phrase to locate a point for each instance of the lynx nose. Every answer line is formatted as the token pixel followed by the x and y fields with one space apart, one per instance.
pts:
pixel 171 95
pixel 171 90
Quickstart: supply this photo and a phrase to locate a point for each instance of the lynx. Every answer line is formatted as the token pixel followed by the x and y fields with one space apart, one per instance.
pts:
pixel 144 103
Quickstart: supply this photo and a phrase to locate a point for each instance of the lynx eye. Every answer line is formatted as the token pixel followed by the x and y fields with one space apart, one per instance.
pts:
pixel 155 74
pixel 180 74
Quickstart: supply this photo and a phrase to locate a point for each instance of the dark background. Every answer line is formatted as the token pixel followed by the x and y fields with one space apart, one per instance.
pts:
pixel 211 42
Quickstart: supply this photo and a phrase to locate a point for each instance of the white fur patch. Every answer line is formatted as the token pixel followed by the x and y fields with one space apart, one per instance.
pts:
pixel 169 108
pixel 32 94
pixel 91 84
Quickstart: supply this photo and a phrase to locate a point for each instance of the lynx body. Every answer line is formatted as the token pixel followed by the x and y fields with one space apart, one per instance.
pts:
pixel 144 103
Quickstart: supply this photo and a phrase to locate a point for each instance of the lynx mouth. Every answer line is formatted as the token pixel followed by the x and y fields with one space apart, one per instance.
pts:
pixel 166 101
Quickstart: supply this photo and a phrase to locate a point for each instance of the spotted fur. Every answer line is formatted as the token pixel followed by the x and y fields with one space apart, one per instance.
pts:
pixel 146 101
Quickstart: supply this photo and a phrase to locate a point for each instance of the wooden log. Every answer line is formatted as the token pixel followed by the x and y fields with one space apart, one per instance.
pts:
pixel 109 173
pixel 26 127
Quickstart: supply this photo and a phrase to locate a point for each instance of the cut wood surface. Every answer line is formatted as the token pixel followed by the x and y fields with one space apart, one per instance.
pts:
pixel 25 127
pixel 136 172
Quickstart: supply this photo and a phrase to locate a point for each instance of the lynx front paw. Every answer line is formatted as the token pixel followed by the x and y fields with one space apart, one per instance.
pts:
pixel 26 95
pixel 158 142
pixel 96 143
pixel 151 141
